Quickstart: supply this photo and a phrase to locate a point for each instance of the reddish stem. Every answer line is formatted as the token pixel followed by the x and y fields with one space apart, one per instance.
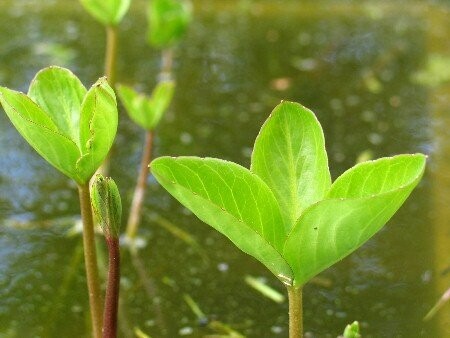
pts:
pixel 141 185
pixel 112 289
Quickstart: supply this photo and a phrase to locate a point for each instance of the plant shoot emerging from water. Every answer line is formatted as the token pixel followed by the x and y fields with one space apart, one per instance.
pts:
pixel 107 207
pixel 285 211
pixel 73 129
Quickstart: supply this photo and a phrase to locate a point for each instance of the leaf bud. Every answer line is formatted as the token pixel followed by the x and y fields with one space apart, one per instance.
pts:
pixel 107 205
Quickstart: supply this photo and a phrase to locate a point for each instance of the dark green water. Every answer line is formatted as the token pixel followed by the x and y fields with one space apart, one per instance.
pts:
pixel 354 65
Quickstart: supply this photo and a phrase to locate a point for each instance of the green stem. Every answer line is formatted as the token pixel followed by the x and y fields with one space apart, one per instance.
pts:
pixel 295 312
pixel 110 73
pixel 90 261
pixel 165 73
pixel 141 186
pixel 111 54
pixel 112 289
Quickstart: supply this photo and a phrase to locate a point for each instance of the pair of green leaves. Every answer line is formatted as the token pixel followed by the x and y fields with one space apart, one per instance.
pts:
pixel 284 211
pixel 69 126
pixel 168 21
pixel 108 12
pixel 147 111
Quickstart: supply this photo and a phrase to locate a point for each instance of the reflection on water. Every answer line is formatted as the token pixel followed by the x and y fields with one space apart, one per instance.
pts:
pixel 354 65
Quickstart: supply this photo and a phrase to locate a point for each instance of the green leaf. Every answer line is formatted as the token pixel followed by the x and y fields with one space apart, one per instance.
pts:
pixel 359 203
pixel 108 12
pixel 40 131
pixel 352 330
pixel 290 156
pixel 147 111
pixel 71 128
pixel 231 199
pixel 168 21
pixel 98 127
pixel 59 93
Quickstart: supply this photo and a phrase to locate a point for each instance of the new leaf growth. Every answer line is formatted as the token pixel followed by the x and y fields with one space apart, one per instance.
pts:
pixel 69 126
pixel 284 211
pixel 108 12
pixel 352 330
pixel 143 110
pixel 107 205
pixel 168 21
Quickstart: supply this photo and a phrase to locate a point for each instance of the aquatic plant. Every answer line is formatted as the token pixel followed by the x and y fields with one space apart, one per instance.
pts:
pixel 107 207
pixel 146 112
pixel 352 330
pixel 168 22
pixel 73 129
pixel 285 211
pixel 109 13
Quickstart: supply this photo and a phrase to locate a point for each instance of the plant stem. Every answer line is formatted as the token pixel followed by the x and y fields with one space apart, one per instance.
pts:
pixel 112 289
pixel 141 185
pixel 166 65
pixel 111 54
pixel 295 312
pixel 90 260
pixel 110 73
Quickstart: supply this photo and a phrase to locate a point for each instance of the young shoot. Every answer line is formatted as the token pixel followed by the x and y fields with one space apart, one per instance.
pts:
pixel 73 129
pixel 109 13
pixel 285 211
pixel 146 112
pixel 107 207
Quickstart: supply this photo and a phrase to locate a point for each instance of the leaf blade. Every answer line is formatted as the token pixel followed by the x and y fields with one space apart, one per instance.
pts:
pixel 59 93
pixel 98 127
pixel 243 208
pixel 290 156
pixel 147 111
pixel 168 21
pixel 331 229
pixel 108 12
pixel 38 129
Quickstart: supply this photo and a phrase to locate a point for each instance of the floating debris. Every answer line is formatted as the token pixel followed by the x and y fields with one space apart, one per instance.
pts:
pixel 214 325
pixel 264 289
pixel 440 303
pixel 140 334
pixel 194 308
pixel 180 234
pixel 223 328
pixel 281 84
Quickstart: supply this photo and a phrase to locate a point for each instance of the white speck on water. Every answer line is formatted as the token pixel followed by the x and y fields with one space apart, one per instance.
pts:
pixel 276 329
pixel 222 267
pixel 186 138
pixel 375 138
pixel 186 331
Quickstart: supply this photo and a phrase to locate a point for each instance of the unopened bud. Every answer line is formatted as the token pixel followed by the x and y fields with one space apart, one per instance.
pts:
pixel 107 206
